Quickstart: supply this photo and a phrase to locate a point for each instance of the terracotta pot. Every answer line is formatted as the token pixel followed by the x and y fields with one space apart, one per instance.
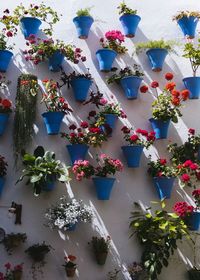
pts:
pixel 101 257
pixel 194 274
pixel 70 271
pixel 17 275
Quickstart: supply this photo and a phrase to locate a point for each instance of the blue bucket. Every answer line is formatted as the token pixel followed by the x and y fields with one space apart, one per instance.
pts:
pixel 130 24
pixel 49 186
pixel 83 25
pixel 160 128
pixel 55 61
pixel 5 58
pixel 131 86
pixel 30 25
pixel 111 120
pixel 53 121
pixel 133 154
pixel 2 182
pixel 188 26
pixel 80 88
pixel 193 85
pixel 193 221
pixel 3 122
pixel 77 151
pixel 157 57
pixel 104 187
pixel 164 186
pixel 106 58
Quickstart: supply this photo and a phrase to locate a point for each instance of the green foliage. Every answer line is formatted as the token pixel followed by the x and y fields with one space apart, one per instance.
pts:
pixel 159 168
pixel 100 244
pixel 13 240
pixel 158 234
pixel 192 52
pixel 125 10
pixel 125 72
pixel 182 14
pixel 4 42
pixel 37 250
pixel 84 12
pixel 161 44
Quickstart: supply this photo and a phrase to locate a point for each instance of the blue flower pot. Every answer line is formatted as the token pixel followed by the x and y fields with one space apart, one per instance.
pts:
pixel 111 120
pixel 5 58
pixel 188 26
pixel 160 128
pixel 130 24
pixel 193 221
pixel 77 151
pixel 71 227
pixel 53 121
pixel 105 58
pixel 104 187
pixel 131 86
pixel 193 85
pixel 133 154
pixel 30 25
pixel 83 25
pixel 156 58
pixel 55 61
pixel 2 182
pixel 164 186
pixel 3 122
pixel 80 88
pixel 49 186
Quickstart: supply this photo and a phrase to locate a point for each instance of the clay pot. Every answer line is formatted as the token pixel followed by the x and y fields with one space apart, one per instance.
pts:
pixel 101 257
pixel 17 275
pixel 70 271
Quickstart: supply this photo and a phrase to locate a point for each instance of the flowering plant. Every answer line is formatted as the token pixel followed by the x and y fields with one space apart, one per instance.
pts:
pixel 10 272
pixel 70 262
pixel 67 213
pixel 138 137
pixel 66 79
pixel 113 40
pixel 196 196
pixel 83 169
pixel 183 209
pixel 125 72
pixel 166 105
pixel 40 50
pixel 161 44
pixel 5 106
pixel 125 10
pixel 4 37
pixel 100 244
pixel 159 168
pixel 53 100
pixel 182 14
pixel 85 134
pixel 189 172
pixel 192 52
pixel 3 166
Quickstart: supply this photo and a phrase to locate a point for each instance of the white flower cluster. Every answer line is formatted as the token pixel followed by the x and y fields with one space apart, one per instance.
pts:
pixel 67 213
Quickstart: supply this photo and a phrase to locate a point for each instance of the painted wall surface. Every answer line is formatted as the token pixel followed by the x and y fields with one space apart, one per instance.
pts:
pixel 111 217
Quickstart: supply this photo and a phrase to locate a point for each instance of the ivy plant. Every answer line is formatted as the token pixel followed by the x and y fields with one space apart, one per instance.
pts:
pixel 192 52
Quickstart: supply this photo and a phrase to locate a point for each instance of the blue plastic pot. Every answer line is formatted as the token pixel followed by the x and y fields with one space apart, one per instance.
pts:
pixel 80 88
pixel 5 58
pixel 3 122
pixel 133 154
pixel 156 58
pixel 30 25
pixel 111 120
pixel 188 26
pixel 105 58
pixel 2 182
pixel 160 128
pixel 55 61
pixel 83 25
pixel 193 221
pixel 77 151
pixel 193 85
pixel 131 86
pixel 49 186
pixel 53 121
pixel 104 187
pixel 164 186
pixel 130 24
pixel 71 227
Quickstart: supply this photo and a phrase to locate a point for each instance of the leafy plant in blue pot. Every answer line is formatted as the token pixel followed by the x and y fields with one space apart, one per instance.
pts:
pixel 43 170
pixel 5 50
pixel 129 19
pixel 188 20
pixel 129 79
pixel 3 172
pixel 83 22
pixel 192 52
pixel 156 52
pixel 5 110
pixel 163 177
pixel 137 140
pixel 56 106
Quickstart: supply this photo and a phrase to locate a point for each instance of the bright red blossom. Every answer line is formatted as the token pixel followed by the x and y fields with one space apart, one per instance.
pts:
pixel 144 89
pixel 191 131
pixel 154 84
pixel 169 76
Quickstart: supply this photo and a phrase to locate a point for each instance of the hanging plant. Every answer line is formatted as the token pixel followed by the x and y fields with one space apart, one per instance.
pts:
pixel 25 113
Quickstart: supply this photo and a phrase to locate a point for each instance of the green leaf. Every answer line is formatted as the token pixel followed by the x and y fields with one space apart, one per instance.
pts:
pixel 35 178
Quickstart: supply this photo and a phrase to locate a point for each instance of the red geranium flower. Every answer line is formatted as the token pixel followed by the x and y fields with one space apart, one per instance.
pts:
pixel 125 129
pixel 163 161
pixel 175 93
pixel 154 84
pixel 170 86
pixel 84 124
pixel 185 177
pixel 143 89
pixel 134 137
pixel 185 94
pixel 175 101
pixel 72 127
pixel 169 76
pixel 6 103
pixel 191 131
pixel 71 258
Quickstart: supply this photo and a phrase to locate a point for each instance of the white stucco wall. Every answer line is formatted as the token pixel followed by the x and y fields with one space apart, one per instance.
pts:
pixel 111 217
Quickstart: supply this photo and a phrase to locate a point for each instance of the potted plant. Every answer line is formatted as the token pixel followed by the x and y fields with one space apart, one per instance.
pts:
pixel 83 22
pixel 156 52
pixel 66 214
pixel 163 177
pixel 17 272
pixel 129 19
pixel 100 247
pixel 13 240
pixel 80 138
pixel 14 273
pixel 136 140
pixel 54 52
pixel 5 53
pixel 70 265
pixel 189 173
pixel 38 251
pixel 30 18
pixel 187 20
pixel 80 84
pixel 5 110
pixel 3 172
pixel 158 232
pixel 192 52
pixel 166 106
pixel 56 107
pixel 111 46
pixel 42 170
pixel 130 80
